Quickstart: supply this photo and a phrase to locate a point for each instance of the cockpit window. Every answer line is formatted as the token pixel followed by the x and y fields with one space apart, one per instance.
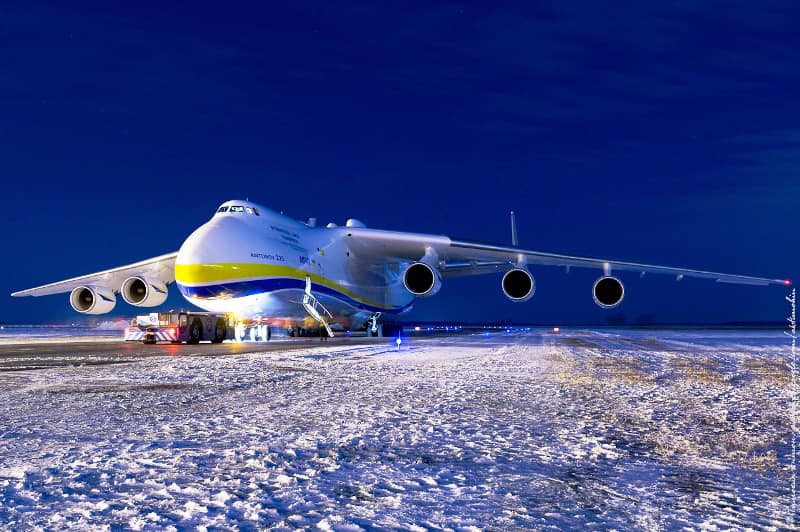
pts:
pixel 239 208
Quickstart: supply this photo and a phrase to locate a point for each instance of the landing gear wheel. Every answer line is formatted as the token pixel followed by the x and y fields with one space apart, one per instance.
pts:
pixel 220 330
pixel 195 332
pixel 240 330
pixel 253 334
pixel 264 333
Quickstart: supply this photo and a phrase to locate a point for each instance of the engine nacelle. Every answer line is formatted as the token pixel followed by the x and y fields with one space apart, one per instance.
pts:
pixel 92 300
pixel 608 292
pixel 422 280
pixel 518 285
pixel 141 292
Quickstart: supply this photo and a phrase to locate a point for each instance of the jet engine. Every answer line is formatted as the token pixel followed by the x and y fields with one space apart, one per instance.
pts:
pixel 608 292
pixel 518 285
pixel 141 292
pixel 421 279
pixel 92 300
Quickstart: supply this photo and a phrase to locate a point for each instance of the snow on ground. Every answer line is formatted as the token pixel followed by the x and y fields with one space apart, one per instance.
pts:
pixel 38 334
pixel 585 429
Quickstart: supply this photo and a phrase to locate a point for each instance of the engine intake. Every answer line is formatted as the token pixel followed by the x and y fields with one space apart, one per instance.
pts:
pixel 141 292
pixel 421 280
pixel 608 292
pixel 92 300
pixel 518 285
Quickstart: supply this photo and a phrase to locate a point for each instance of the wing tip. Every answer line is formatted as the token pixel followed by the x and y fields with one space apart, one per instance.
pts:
pixel 22 293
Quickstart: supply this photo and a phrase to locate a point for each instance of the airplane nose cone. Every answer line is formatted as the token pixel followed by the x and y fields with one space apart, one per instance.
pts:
pixel 218 241
pixel 210 256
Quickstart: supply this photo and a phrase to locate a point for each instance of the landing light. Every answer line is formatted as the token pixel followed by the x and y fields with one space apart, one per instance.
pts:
pixel 556 329
pixel 787 282
pixel 416 328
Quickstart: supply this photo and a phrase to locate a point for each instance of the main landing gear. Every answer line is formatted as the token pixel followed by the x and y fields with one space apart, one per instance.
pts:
pixel 382 329
pixel 373 327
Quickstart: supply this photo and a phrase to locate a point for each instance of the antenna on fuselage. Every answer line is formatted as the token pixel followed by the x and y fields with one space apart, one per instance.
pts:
pixel 514 241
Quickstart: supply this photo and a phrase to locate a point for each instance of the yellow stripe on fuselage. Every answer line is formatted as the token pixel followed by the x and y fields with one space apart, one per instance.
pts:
pixel 202 274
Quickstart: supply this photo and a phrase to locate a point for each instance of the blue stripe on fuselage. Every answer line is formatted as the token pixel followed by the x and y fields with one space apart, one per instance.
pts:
pixel 260 286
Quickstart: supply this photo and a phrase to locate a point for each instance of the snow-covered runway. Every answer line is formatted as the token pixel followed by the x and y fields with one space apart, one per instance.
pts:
pixel 654 429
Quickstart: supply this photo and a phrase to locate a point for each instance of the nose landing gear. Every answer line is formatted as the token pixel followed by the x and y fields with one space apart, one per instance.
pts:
pixel 254 332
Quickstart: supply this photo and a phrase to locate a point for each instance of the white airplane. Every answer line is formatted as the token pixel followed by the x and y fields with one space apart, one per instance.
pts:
pixel 269 269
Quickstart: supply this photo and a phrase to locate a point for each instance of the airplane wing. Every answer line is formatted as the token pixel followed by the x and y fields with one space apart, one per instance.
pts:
pixel 460 257
pixel 161 268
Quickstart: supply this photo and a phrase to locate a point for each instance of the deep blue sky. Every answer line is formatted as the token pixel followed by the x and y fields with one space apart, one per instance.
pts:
pixel 657 133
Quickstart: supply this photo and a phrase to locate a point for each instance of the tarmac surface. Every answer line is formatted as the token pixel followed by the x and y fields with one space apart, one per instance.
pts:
pixel 51 354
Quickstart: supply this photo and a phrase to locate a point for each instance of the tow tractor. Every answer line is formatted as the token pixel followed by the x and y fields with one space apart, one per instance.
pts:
pixel 177 327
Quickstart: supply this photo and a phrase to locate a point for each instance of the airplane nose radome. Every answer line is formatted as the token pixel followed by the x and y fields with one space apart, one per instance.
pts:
pixel 216 241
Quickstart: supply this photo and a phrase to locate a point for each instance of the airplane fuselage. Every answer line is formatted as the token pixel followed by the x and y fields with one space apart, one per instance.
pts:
pixel 254 262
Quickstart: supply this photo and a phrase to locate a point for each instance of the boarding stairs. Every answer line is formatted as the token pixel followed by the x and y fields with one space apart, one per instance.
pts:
pixel 316 309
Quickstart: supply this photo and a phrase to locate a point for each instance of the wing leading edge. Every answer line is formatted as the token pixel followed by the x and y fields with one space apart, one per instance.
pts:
pixel 460 257
pixel 161 268
pixel 608 265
